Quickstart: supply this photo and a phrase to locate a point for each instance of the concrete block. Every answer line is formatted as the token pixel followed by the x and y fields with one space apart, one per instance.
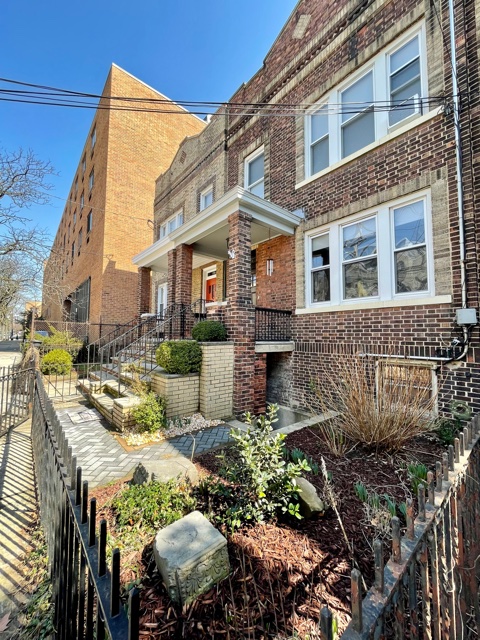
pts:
pixel 165 470
pixel 191 556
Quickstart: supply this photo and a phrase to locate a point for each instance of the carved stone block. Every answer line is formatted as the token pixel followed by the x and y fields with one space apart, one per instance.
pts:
pixel 191 556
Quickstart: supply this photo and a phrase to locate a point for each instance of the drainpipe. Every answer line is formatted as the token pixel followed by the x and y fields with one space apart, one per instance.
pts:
pixel 459 171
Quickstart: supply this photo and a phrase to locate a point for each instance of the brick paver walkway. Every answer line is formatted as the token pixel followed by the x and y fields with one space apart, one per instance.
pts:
pixel 103 459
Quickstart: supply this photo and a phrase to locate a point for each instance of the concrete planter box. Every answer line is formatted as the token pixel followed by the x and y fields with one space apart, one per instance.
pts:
pixel 216 380
pixel 182 392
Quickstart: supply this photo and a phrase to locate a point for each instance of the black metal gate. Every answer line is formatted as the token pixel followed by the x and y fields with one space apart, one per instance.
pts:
pixel 16 396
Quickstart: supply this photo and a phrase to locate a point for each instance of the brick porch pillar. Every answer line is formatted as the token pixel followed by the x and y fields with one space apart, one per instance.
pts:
pixel 172 261
pixel 183 277
pixel 241 313
pixel 144 290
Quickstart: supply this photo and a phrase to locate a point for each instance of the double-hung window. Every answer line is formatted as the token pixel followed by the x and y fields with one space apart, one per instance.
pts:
pixel 358 117
pixel 384 93
pixel 89 221
pixel 255 173
pixel 170 225
pixel 405 81
pixel 206 198
pixel 91 180
pixel 383 254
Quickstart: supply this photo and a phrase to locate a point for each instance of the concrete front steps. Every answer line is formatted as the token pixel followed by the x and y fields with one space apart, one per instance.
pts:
pixel 113 400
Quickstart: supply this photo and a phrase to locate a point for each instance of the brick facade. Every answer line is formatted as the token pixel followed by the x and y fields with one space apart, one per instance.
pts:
pixel 412 160
pixel 131 149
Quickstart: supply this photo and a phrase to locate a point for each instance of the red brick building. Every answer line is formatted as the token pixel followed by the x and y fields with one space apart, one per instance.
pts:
pixel 89 275
pixel 330 187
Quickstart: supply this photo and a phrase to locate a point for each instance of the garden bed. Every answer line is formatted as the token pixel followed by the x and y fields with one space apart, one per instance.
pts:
pixel 282 573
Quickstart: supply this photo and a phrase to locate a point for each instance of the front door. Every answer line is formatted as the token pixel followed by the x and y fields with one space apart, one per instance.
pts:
pixel 211 284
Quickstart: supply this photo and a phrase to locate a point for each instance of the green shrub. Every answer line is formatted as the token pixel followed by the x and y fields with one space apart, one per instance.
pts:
pixel 179 356
pixel 151 414
pixel 266 481
pixel 447 430
pixel 57 361
pixel 153 505
pixel 60 339
pixel 209 331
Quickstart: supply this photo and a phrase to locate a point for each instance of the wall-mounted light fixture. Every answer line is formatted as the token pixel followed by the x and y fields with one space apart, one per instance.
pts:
pixel 269 266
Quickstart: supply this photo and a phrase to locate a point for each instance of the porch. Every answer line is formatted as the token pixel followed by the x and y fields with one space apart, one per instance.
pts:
pixel 237 256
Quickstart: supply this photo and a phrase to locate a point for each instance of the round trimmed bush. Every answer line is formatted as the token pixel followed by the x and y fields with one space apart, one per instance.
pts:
pixel 209 331
pixel 179 356
pixel 57 362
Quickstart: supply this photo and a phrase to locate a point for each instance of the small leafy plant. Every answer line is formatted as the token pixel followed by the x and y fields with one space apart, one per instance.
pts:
pixel 153 505
pixel 417 473
pixel 297 455
pixel 447 430
pixel 150 415
pixel 266 481
pixel 56 362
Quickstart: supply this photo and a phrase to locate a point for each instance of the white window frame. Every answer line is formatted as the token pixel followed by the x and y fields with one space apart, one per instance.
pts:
pixel 91 180
pixel 93 138
pixel 203 197
pixel 170 224
pixel 89 221
pixel 380 68
pixel 384 215
pixel 82 201
pixel 248 160
pixel 84 165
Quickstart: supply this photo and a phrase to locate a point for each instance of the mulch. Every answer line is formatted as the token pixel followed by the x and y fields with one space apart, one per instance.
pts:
pixel 284 573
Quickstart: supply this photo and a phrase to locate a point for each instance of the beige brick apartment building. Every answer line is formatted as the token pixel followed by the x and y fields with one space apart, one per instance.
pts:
pixel 89 275
pixel 336 200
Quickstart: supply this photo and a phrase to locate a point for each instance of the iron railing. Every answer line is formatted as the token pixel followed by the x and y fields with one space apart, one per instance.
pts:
pixel 85 593
pixel 64 387
pixel 272 325
pixel 177 323
pixel 16 396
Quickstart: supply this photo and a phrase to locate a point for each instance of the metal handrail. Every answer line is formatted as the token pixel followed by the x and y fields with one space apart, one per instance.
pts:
pixel 176 322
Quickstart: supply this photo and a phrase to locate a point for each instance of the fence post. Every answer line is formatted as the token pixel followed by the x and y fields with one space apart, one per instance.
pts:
pixel 396 540
pixel 326 624
pixel 379 565
pixel 421 502
pixel 356 594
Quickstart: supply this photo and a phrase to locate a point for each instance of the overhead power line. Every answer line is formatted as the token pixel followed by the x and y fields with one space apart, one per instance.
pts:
pixel 57 97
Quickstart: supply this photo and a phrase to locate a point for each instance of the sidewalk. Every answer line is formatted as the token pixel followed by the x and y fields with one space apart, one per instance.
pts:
pixel 18 505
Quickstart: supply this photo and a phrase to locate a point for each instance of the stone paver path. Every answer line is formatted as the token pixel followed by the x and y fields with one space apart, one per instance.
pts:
pixel 103 459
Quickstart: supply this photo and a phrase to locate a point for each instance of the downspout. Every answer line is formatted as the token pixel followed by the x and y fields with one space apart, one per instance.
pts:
pixel 459 170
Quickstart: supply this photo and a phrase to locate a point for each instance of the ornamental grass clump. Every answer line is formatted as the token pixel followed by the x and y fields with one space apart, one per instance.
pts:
pixel 56 362
pixel 379 404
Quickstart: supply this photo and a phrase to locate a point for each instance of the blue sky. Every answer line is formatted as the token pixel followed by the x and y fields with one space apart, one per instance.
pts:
pixel 188 50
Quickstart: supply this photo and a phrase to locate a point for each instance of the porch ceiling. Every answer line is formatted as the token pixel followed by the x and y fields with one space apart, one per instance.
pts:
pixel 208 231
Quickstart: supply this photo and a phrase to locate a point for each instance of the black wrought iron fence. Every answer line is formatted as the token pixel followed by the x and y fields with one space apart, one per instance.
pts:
pixel 16 396
pixel 86 594
pixel 272 325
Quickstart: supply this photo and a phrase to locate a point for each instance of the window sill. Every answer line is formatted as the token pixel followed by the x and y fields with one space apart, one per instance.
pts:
pixel 377 304
pixel 378 143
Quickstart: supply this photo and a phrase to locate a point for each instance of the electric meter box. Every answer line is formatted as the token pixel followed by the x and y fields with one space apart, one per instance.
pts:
pixel 466 316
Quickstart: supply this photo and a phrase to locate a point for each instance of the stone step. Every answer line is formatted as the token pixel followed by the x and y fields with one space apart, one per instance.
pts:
pixel 103 403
